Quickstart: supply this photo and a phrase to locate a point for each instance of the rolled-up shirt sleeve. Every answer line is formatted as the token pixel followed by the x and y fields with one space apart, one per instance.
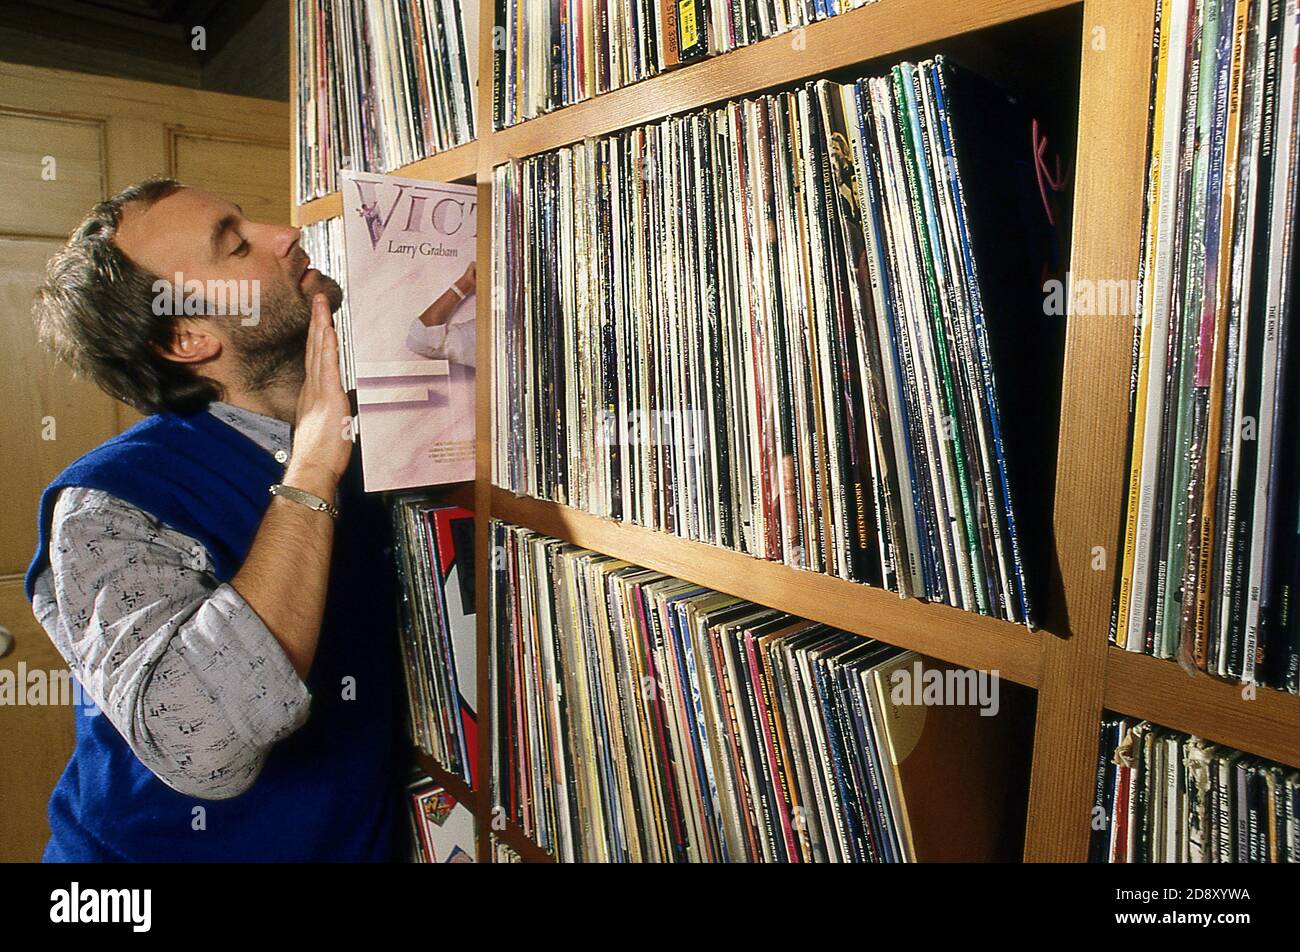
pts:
pixel 454 342
pixel 180 664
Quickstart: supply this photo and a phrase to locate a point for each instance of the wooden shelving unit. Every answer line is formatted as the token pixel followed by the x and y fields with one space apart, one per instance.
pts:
pixel 457 787
pixel 1070 664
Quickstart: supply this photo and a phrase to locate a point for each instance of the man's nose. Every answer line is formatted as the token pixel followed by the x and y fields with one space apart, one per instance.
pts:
pixel 284 238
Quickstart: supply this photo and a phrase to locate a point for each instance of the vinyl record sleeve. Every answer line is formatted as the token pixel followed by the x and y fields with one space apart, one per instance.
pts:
pixel 407 242
pixel 445 826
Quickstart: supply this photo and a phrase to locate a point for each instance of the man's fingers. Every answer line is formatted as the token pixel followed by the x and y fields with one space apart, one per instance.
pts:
pixel 320 317
pixel 308 357
pixel 329 357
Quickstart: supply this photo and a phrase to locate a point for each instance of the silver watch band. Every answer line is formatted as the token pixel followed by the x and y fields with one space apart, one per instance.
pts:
pixel 304 498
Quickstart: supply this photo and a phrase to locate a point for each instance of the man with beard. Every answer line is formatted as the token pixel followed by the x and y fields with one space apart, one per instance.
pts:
pixel 214 581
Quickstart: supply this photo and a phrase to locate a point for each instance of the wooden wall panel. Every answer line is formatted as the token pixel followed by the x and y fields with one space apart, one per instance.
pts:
pixel 249 172
pixel 51 172
pixel 37 740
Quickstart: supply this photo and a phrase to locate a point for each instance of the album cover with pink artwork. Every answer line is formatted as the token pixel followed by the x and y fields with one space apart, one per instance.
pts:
pixel 410 246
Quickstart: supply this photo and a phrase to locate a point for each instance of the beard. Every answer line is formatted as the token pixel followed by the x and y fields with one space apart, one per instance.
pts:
pixel 271 351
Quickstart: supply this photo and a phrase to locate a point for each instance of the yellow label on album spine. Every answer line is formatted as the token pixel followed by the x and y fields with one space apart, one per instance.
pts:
pixel 688 28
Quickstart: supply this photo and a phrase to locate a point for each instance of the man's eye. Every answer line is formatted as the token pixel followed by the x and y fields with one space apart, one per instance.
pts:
pixel 240 249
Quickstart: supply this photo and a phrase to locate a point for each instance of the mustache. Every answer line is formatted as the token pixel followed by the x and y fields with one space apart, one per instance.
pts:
pixel 300 261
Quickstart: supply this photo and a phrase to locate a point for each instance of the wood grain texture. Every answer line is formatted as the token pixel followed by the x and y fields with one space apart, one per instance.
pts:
pixel 939 631
pixel 1113 109
pixel 247 170
pixel 33 88
pixel 51 172
pixel 50 418
pixel 1264 724
pixel 37 740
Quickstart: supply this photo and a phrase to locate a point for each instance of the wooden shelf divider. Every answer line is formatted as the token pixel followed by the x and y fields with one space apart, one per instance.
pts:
pixel 318 209
pixel 1114 94
pixel 520 842
pixel 1265 723
pixel 940 631
pixel 476 803
pixel 456 786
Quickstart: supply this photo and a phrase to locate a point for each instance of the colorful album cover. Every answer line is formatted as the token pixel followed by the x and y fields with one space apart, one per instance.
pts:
pixel 454 538
pixel 446 827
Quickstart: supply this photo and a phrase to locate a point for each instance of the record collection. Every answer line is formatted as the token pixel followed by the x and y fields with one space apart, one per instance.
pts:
pixel 808 326
pixel 382 83
pixel 639 717
pixel 323 243
pixel 1167 797
pixel 442 829
pixel 553 54
pixel 435 561
pixel 1210 554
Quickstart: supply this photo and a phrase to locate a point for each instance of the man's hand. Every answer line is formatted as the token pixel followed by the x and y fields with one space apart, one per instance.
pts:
pixel 285 576
pixel 322 433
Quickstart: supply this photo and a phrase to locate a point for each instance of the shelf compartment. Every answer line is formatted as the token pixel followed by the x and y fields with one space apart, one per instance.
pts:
pixel 938 631
pixel 858 36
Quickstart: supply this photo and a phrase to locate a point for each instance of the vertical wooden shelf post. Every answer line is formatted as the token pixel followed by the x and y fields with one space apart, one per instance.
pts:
pixel 1114 97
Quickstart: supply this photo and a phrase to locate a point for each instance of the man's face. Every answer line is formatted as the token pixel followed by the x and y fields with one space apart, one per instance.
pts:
pixel 207 239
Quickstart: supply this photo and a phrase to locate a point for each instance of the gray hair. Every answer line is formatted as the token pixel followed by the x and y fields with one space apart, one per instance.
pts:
pixel 94 311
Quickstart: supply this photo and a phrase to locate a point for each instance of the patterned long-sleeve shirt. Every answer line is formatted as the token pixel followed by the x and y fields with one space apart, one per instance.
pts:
pixel 180 664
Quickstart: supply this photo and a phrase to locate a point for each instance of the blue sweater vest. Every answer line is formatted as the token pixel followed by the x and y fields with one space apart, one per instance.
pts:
pixel 331 790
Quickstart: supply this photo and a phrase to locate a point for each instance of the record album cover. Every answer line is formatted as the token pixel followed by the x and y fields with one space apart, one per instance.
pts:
pixel 443 827
pixel 410 247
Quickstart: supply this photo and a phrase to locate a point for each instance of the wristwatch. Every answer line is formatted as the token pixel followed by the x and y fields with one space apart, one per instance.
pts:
pixel 304 498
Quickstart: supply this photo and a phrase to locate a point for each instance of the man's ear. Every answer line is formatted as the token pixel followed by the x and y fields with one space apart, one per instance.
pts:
pixel 191 342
